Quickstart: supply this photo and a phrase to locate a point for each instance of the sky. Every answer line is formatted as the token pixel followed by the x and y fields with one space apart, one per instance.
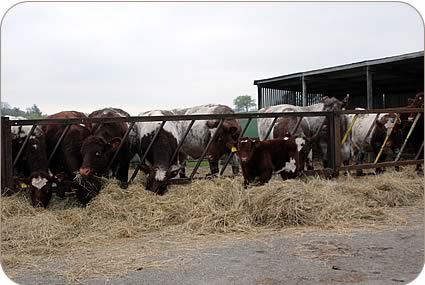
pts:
pixel 144 56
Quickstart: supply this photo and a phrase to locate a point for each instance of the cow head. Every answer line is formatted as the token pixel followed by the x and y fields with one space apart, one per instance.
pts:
pixel 39 185
pixel 246 149
pixel 96 153
pixel 333 104
pixel 158 178
pixel 226 137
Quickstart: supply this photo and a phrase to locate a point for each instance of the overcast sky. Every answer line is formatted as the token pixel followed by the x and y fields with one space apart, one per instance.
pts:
pixel 142 56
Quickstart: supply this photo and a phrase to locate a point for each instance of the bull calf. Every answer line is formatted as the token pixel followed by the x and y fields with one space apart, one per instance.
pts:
pixel 260 159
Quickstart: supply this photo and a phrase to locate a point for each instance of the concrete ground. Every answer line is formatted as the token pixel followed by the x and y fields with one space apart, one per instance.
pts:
pixel 392 255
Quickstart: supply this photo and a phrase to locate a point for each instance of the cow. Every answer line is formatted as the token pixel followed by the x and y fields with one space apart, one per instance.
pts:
pixel 285 126
pixel 99 147
pixel 260 159
pixel 417 136
pixel 159 164
pixel 67 160
pixel 201 132
pixel 308 132
pixel 387 124
pixel 32 166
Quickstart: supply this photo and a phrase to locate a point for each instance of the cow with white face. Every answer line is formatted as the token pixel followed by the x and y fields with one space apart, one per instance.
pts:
pixel 158 164
pixel 32 166
pixel 308 128
pixel 225 141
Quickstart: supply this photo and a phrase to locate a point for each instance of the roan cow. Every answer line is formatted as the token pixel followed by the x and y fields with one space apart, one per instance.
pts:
pixel 201 132
pixel 159 164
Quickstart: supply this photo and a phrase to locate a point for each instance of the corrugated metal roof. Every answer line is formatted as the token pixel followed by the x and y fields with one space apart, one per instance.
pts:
pixel 343 67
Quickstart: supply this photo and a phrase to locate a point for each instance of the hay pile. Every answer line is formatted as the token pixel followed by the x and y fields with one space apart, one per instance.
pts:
pixel 201 208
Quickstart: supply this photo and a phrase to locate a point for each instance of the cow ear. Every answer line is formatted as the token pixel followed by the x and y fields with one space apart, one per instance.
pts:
pixel 115 142
pixel 212 124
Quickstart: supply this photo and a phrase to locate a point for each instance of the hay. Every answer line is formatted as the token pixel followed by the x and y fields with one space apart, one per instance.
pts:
pixel 207 207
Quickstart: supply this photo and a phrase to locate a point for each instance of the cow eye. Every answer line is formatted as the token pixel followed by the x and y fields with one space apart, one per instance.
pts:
pixel 220 139
pixel 98 153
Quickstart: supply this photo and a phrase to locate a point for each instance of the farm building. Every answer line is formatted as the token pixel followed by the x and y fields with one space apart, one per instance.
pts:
pixel 373 84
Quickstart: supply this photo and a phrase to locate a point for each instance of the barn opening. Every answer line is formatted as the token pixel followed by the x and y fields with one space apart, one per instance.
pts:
pixel 373 84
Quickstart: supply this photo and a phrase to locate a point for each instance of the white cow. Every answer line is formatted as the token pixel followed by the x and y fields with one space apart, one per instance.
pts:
pixel 362 142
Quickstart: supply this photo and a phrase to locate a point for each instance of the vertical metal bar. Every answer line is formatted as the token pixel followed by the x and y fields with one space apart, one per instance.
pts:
pixel 119 146
pixel 7 166
pixel 58 143
pixel 369 89
pixel 24 145
pixel 229 157
pixel 420 150
pixel 270 128
pixel 418 115
pixel 198 163
pixel 337 142
pixel 331 148
pixel 304 88
pixel 146 152
pixel 179 146
pixel 260 97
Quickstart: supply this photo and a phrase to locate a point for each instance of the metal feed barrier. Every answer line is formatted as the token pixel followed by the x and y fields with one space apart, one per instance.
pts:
pixel 333 138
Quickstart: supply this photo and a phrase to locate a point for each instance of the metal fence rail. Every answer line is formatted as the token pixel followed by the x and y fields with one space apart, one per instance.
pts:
pixel 334 136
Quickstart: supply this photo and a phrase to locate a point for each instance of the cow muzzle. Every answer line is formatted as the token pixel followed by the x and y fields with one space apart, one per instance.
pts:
pixel 86 171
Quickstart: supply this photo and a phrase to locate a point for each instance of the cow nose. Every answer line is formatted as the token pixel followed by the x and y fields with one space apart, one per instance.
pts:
pixel 86 171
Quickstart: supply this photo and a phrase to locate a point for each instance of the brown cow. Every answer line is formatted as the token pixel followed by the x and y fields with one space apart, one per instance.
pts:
pixel 32 167
pixel 67 159
pixel 263 158
pixel 99 148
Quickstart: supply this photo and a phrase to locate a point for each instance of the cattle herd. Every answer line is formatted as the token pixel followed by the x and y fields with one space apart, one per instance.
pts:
pixel 86 149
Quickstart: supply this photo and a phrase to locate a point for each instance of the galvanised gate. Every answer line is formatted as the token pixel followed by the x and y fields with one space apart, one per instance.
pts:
pixel 333 136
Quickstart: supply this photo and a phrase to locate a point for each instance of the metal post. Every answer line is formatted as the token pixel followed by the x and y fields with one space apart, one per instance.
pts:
pixel 337 142
pixel 6 161
pixel 206 149
pixel 58 143
pixel 369 90
pixel 229 157
pixel 119 146
pixel 146 152
pixel 260 97
pixel 304 88
pixel 24 145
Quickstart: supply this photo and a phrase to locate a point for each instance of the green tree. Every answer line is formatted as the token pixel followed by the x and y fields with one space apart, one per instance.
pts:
pixel 34 112
pixel 243 103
